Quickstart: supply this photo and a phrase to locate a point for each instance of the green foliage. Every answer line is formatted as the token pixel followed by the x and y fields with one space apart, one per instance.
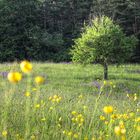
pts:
pixel 103 42
pixel 19 28
pixel 64 17
pixel 126 13
pixel 46 46
pixel 45 29
pixel 40 29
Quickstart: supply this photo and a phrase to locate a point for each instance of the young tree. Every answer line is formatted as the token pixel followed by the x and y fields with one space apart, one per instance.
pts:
pixel 104 42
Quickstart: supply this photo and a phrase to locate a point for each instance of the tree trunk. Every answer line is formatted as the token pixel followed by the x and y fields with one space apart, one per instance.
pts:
pixel 105 71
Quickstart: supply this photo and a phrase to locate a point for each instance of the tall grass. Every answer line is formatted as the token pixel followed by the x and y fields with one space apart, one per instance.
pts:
pixel 69 105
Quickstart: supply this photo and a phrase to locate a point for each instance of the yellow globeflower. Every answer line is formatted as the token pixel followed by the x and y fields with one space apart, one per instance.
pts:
pixel 4 133
pixel 117 130
pixel 138 128
pixel 33 137
pixel 14 77
pixel 137 119
pixel 123 137
pixel 27 94
pixel 75 136
pixel 108 109
pixel 37 106
pixel 106 122
pixel 73 112
pixel 105 82
pixel 43 119
pixel 69 133
pixel 102 118
pixel 39 80
pixel 123 131
pixel 26 66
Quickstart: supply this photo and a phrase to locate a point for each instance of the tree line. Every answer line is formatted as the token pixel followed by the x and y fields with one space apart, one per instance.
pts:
pixel 45 29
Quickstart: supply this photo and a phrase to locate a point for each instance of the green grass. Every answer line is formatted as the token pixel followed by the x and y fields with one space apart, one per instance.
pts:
pixel 21 119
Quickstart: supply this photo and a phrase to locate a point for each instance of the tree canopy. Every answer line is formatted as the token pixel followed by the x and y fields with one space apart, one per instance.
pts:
pixel 103 42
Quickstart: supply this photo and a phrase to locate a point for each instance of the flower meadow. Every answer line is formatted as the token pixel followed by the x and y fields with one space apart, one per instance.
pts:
pixel 46 101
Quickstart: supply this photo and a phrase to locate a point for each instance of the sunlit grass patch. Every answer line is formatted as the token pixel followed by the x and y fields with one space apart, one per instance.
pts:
pixel 66 101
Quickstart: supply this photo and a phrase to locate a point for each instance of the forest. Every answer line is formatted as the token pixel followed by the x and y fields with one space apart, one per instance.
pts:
pixel 45 30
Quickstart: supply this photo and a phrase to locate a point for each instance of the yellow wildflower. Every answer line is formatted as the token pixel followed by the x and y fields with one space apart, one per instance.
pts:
pixel 75 136
pixel 73 112
pixel 51 108
pixel 128 95
pixel 125 116
pixel 105 82
pixel 17 135
pixel 39 80
pixel 26 66
pixel 4 133
pixel 64 132
pixel 132 114
pixel 102 118
pixel 121 124
pixel 135 97
pixel 85 107
pixel 114 116
pixel 111 83
pixel 120 130
pixel 123 131
pixel 60 119
pixel 14 77
pixel 108 109
pixel 123 137
pixel 137 119
pixel 117 130
pixel 27 94
pixel 43 119
pixel 80 96
pixel 114 86
pixel 106 122
pixel 37 106
pixel 50 98
pixel 85 138
pixel 33 137
pixel 59 125
pixel 34 89
pixel 73 119
pixel 53 100
pixel 138 128
pixel 79 116
pixel 55 96
pixel 69 133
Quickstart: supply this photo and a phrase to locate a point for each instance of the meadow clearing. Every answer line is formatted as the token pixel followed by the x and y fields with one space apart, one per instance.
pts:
pixel 72 103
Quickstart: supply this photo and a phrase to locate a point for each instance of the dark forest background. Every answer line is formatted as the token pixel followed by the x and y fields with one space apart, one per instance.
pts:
pixel 44 30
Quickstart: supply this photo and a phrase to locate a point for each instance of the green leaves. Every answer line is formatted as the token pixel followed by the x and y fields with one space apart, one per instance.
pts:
pixel 103 41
